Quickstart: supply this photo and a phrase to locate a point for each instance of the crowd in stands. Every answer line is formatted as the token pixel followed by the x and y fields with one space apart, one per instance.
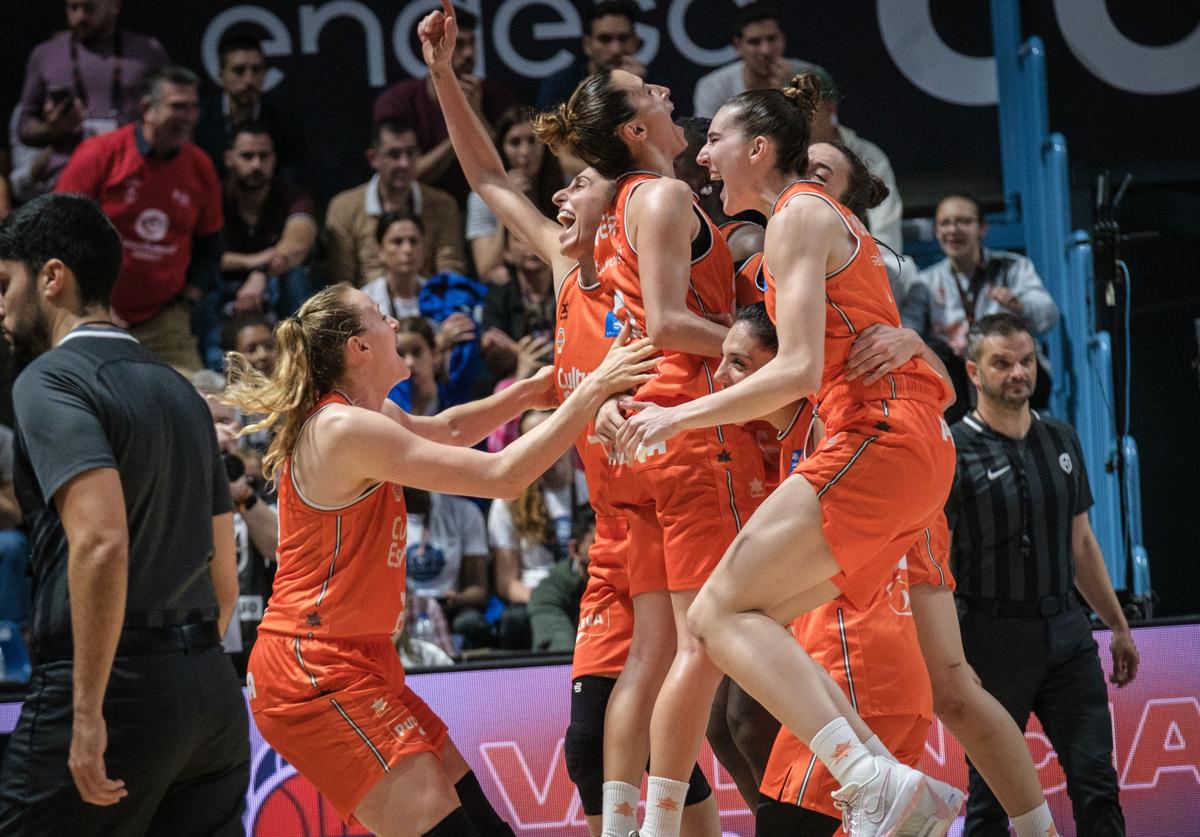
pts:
pixel 205 186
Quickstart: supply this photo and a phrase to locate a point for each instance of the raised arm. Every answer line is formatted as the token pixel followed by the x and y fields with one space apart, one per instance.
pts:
pixel 476 152
pixel 663 224
pixel 798 244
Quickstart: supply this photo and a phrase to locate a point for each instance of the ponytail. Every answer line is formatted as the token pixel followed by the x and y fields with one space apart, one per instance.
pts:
pixel 309 362
pixel 783 116
pixel 587 126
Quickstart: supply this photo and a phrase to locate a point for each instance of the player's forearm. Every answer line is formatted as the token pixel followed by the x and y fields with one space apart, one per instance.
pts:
pixel 468 424
pixel 758 396
pixel 97 579
pixel 1093 583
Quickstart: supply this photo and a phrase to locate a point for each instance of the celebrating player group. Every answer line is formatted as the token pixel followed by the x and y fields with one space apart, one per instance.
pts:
pixel 719 573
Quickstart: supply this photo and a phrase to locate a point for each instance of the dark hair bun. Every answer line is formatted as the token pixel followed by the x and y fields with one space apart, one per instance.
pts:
pixel 805 93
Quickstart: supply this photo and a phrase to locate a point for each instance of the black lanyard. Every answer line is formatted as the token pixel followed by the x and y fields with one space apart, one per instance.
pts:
pixel 117 93
pixel 970 296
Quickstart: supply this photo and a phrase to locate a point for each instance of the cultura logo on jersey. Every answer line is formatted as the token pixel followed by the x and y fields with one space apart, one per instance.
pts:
pixel 570 379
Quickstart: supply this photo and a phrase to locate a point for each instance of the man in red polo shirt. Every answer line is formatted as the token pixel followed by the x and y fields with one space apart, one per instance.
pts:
pixel 162 194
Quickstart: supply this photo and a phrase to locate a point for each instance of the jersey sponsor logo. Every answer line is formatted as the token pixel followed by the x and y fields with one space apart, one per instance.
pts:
pixel 608 226
pixel 570 379
pixel 1064 462
pixel 152 224
pixel 396 556
pixel 409 730
pixel 797 455
pixel 757 489
pixel 560 340
pixel 643 453
pixel 593 623
pixel 612 326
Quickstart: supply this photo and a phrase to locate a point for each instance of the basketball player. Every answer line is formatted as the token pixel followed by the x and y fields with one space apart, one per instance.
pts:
pixel 326 686
pixel 606 614
pixel 670 274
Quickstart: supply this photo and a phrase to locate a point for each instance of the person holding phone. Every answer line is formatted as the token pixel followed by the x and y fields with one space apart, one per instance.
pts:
pixel 84 81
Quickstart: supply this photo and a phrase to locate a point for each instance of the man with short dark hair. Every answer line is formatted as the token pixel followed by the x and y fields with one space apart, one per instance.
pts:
pixel 760 43
pixel 351 247
pixel 413 102
pixel 610 42
pixel 134 722
pixel 84 81
pixel 161 192
pixel 1023 554
pixel 269 233
pixel 238 98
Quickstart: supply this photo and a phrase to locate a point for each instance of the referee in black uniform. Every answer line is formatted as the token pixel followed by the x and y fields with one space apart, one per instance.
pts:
pixel 1023 552
pixel 134 722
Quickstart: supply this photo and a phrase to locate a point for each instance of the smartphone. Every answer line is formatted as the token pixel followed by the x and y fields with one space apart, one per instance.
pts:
pixel 58 95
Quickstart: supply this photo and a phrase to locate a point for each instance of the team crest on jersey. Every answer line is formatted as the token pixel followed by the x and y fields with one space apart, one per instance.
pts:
pixel 1064 462
pixel 797 455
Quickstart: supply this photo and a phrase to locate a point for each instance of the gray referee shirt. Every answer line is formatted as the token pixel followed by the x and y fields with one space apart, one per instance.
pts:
pixel 1011 509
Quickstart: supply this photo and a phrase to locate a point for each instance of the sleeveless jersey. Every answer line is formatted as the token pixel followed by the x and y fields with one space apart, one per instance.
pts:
pixel 341 570
pixel 682 377
pixel 581 341
pixel 857 295
pixel 748 282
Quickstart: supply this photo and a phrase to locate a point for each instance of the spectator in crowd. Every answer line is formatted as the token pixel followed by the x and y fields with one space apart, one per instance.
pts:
pixel 974 281
pixel 521 309
pixel 448 561
pixel 883 220
pixel 84 81
pixel 15 581
pixel 1023 553
pixel 250 335
pixel 255 520
pixel 760 44
pixel 413 642
pixel 400 236
pixel 530 534
pixel 352 249
pixel 412 102
pixel 161 193
pixel 269 233
pixel 554 603
pixel 434 384
pixel 610 41
pixel 539 175
pixel 238 98
pixel 6 166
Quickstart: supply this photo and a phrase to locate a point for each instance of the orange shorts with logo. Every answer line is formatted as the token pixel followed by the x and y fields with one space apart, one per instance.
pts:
pixel 929 558
pixel 339 712
pixel 882 475
pixel 685 509
pixel 605 612
pixel 796 777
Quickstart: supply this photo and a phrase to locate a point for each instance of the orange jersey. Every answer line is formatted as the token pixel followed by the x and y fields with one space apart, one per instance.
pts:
pixel 748 283
pixel 769 444
pixel 341 570
pixel 681 377
pixel 857 295
pixel 583 335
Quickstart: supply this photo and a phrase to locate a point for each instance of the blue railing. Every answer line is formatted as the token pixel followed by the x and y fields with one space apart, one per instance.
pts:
pixel 1037 201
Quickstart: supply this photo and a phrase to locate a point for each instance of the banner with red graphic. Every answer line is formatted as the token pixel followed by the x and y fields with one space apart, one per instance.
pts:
pixel 509 725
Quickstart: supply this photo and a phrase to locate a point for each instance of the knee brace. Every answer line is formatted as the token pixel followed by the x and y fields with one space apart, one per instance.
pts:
pixel 584 743
pixel 486 822
pixel 456 824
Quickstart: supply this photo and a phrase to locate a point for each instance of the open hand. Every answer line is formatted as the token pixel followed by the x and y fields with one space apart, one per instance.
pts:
pixel 649 425
pixel 89 740
pixel 879 350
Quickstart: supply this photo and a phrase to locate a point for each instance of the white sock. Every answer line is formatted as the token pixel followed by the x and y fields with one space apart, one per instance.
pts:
pixel 620 808
pixel 876 748
pixel 664 807
pixel 839 749
pixel 1035 823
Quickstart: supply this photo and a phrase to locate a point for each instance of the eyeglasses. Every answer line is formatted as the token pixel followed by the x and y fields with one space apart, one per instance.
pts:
pixel 957 221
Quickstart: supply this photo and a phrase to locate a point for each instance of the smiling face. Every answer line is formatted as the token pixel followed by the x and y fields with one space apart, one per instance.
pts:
pixel 653 108
pixel 385 362
pixel 742 354
pixel 580 205
pixel 726 155
pixel 960 229
pixel 830 168
pixel 760 45
pixel 170 116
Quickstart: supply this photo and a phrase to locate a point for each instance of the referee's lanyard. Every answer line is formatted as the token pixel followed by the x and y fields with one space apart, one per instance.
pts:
pixel 1014 449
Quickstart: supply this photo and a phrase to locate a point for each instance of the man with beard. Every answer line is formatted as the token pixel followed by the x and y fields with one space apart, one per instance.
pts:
pixel 84 81
pixel 238 98
pixel 1023 553
pixel 269 233
pixel 134 722
pixel 161 192
pixel 610 42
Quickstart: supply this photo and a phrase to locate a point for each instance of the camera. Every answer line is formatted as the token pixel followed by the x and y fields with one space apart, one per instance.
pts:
pixel 235 468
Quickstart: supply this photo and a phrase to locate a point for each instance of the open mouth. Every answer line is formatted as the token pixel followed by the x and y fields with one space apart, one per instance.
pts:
pixel 566 218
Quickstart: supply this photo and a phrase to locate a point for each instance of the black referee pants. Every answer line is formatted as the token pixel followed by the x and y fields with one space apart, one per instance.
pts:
pixel 1050 666
pixel 178 735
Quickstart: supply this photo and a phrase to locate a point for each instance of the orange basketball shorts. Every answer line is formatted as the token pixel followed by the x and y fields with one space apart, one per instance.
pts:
pixel 339 712
pixel 605 612
pixel 882 475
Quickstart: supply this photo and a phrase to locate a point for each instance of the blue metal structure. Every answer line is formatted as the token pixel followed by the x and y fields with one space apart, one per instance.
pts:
pixel 1037 201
